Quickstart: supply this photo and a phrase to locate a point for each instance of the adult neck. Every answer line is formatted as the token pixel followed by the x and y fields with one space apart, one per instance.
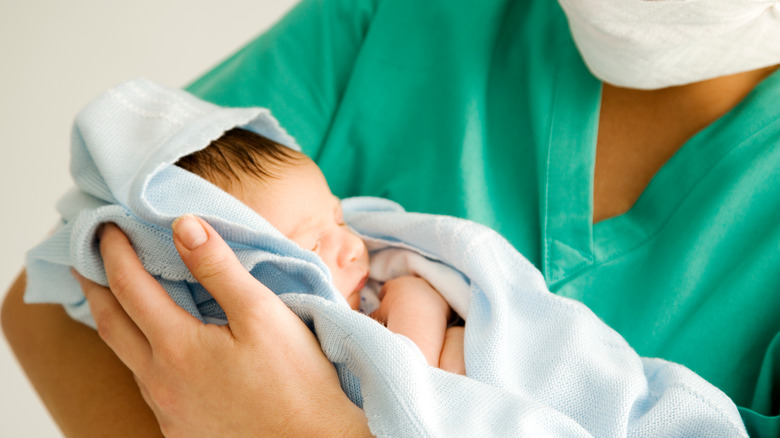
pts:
pixel 639 130
pixel 693 106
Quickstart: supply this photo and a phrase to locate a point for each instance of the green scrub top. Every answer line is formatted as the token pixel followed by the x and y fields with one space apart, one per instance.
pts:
pixel 485 110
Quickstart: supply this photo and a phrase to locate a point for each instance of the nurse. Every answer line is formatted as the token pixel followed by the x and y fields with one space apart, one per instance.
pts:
pixel 629 149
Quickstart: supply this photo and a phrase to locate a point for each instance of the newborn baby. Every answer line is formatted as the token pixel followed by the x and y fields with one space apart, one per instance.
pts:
pixel 289 191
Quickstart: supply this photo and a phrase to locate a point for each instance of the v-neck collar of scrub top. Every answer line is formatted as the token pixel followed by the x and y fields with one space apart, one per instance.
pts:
pixel 571 242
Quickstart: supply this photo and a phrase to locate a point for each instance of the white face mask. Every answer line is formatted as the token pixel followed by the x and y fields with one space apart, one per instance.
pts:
pixel 651 44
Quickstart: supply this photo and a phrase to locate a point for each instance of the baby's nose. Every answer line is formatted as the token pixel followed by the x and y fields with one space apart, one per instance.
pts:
pixel 352 247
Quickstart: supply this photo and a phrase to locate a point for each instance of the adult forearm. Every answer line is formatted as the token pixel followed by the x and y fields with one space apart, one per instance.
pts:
pixel 88 391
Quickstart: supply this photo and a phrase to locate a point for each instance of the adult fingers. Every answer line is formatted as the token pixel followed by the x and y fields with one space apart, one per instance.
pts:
pixel 115 327
pixel 216 267
pixel 143 299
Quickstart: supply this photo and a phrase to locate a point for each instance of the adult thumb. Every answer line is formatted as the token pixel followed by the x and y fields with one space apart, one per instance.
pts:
pixel 216 267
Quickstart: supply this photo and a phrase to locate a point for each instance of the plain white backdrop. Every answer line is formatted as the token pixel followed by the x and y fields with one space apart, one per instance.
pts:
pixel 56 56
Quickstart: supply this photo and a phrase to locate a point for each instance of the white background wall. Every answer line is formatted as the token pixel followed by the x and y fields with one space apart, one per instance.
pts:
pixel 56 56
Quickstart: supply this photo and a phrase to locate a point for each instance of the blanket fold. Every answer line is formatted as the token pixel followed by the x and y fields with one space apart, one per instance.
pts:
pixel 537 364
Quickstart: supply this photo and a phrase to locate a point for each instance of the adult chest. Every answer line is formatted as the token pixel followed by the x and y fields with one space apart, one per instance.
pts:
pixel 503 128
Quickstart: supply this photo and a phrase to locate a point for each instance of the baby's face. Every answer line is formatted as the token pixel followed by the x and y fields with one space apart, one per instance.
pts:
pixel 299 203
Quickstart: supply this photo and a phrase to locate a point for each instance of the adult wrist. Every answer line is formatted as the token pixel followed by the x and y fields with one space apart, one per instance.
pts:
pixel 354 424
pixel 340 417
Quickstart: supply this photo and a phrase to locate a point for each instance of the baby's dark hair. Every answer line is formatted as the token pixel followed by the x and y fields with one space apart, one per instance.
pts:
pixel 238 153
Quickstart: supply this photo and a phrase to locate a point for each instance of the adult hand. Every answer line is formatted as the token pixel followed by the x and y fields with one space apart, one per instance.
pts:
pixel 263 375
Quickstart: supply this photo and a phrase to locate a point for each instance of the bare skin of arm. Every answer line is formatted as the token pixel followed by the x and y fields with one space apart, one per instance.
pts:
pixel 452 357
pixel 67 361
pixel 86 388
pixel 411 307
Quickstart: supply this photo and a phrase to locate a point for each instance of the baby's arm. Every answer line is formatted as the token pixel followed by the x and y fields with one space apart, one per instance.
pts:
pixel 412 307
pixel 452 358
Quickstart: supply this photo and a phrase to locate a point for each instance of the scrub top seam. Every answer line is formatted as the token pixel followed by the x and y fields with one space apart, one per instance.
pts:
pixel 570 232
pixel 546 240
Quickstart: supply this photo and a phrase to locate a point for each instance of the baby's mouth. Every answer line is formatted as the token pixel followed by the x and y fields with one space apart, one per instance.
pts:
pixel 361 283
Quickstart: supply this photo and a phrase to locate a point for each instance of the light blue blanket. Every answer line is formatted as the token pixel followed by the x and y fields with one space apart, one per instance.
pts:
pixel 537 364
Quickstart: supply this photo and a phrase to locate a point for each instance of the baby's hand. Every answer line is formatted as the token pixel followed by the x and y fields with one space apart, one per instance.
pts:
pixel 410 306
pixel 401 291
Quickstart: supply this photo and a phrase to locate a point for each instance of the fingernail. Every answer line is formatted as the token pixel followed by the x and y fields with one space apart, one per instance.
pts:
pixel 189 231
